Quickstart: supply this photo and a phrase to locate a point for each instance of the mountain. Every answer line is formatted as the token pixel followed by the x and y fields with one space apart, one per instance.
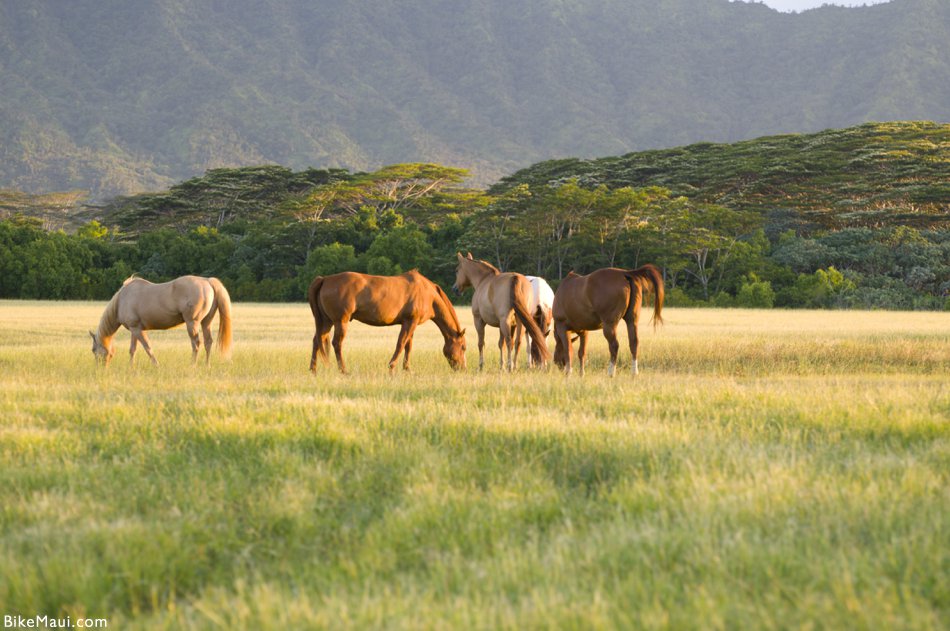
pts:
pixel 122 96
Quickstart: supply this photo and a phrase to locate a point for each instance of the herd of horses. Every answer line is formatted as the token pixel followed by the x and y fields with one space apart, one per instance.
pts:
pixel 517 305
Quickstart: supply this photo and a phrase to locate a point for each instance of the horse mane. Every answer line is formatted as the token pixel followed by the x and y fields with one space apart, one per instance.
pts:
pixel 109 322
pixel 487 264
pixel 447 311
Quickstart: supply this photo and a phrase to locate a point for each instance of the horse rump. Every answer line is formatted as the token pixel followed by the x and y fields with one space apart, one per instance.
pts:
pixel 519 302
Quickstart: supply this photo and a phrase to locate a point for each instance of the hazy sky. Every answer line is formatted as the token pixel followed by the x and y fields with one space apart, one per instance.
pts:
pixel 801 5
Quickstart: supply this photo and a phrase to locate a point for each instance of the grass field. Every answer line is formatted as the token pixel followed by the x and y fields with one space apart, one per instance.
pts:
pixel 767 469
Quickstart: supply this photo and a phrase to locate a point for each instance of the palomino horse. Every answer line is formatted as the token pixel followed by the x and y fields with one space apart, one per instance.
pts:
pixel 408 300
pixel 142 306
pixel 500 300
pixel 540 304
pixel 600 300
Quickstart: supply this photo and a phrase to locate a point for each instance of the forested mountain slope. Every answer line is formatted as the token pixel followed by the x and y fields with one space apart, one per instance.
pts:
pixel 114 96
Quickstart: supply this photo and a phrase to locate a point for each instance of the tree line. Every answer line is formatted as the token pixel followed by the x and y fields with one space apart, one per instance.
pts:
pixel 267 231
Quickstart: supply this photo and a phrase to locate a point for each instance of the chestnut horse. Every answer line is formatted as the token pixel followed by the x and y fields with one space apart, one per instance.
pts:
pixel 600 300
pixel 540 304
pixel 408 300
pixel 500 300
pixel 142 306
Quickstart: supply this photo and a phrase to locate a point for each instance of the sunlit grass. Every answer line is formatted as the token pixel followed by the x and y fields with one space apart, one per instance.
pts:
pixel 767 469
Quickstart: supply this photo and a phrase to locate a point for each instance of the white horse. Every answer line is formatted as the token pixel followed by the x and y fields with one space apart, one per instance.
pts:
pixel 540 303
pixel 142 306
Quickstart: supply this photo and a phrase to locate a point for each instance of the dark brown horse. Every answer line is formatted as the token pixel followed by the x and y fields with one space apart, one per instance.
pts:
pixel 408 300
pixel 601 300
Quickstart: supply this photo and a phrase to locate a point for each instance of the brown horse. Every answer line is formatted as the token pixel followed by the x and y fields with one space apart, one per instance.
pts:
pixel 500 300
pixel 408 300
pixel 142 306
pixel 600 300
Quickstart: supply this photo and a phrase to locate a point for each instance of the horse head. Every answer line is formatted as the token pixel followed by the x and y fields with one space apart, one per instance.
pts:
pixel 462 280
pixel 102 352
pixel 454 349
pixel 560 353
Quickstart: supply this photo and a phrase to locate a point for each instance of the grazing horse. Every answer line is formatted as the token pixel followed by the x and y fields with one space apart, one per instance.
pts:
pixel 142 306
pixel 500 300
pixel 600 300
pixel 408 300
pixel 539 305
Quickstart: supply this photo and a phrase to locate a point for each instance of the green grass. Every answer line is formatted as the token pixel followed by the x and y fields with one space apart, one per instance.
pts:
pixel 767 470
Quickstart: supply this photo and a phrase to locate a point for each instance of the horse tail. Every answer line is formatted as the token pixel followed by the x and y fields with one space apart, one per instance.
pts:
pixel 519 301
pixel 651 274
pixel 222 300
pixel 320 321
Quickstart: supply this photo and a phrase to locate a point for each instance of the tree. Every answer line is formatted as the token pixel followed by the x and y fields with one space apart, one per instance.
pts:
pixel 405 247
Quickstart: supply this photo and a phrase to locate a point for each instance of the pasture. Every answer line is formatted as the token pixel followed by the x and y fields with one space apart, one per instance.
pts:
pixel 767 469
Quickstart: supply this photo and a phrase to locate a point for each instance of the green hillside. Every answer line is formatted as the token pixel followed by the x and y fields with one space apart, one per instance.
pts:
pixel 116 97
pixel 894 173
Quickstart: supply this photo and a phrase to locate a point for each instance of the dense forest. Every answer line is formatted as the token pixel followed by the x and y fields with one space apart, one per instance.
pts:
pixel 118 97
pixel 852 218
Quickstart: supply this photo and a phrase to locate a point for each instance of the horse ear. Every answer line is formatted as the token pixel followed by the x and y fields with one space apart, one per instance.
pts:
pixel 92 335
pixel 462 333
pixel 459 254
pixel 470 256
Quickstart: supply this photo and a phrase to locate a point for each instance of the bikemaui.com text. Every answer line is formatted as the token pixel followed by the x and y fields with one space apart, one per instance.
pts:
pixel 51 622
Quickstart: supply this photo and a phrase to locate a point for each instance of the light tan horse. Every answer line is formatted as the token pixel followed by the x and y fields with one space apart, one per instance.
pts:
pixel 142 306
pixel 408 300
pixel 601 300
pixel 500 300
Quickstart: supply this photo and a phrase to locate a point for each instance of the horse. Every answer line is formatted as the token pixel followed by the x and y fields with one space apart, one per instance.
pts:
pixel 539 304
pixel 142 306
pixel 501 300
pixel 600 300
pixel 408 300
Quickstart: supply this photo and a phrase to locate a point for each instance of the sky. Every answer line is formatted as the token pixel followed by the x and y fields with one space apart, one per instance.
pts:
pixel 801 5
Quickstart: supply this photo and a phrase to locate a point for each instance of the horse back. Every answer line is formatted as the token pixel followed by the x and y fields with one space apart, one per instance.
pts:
pixel 586 302
pixel 164 305
pixel 376 300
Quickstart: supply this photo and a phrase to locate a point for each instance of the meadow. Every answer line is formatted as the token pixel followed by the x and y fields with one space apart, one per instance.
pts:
pixel 767 470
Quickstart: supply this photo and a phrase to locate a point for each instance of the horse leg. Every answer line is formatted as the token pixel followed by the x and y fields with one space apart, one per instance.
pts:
pixel 313 355
pixel 208 340
pixel 339 332
pixel 519 330
pixel 610 332
pixel 405 359
pixel 206 334
pixel 132 348
pixel 321 341
pixel 404 334
pixel 562 335
pixel 501 350
pixel 143 339
pixel 192 329
pixel 480 329
pixel 581 351
pixel 634 343
pixel 506 338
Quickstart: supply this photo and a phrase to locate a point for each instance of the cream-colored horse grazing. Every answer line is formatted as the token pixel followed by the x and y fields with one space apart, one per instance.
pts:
pixel 501 300
pixel 141 306
pixel 540 305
